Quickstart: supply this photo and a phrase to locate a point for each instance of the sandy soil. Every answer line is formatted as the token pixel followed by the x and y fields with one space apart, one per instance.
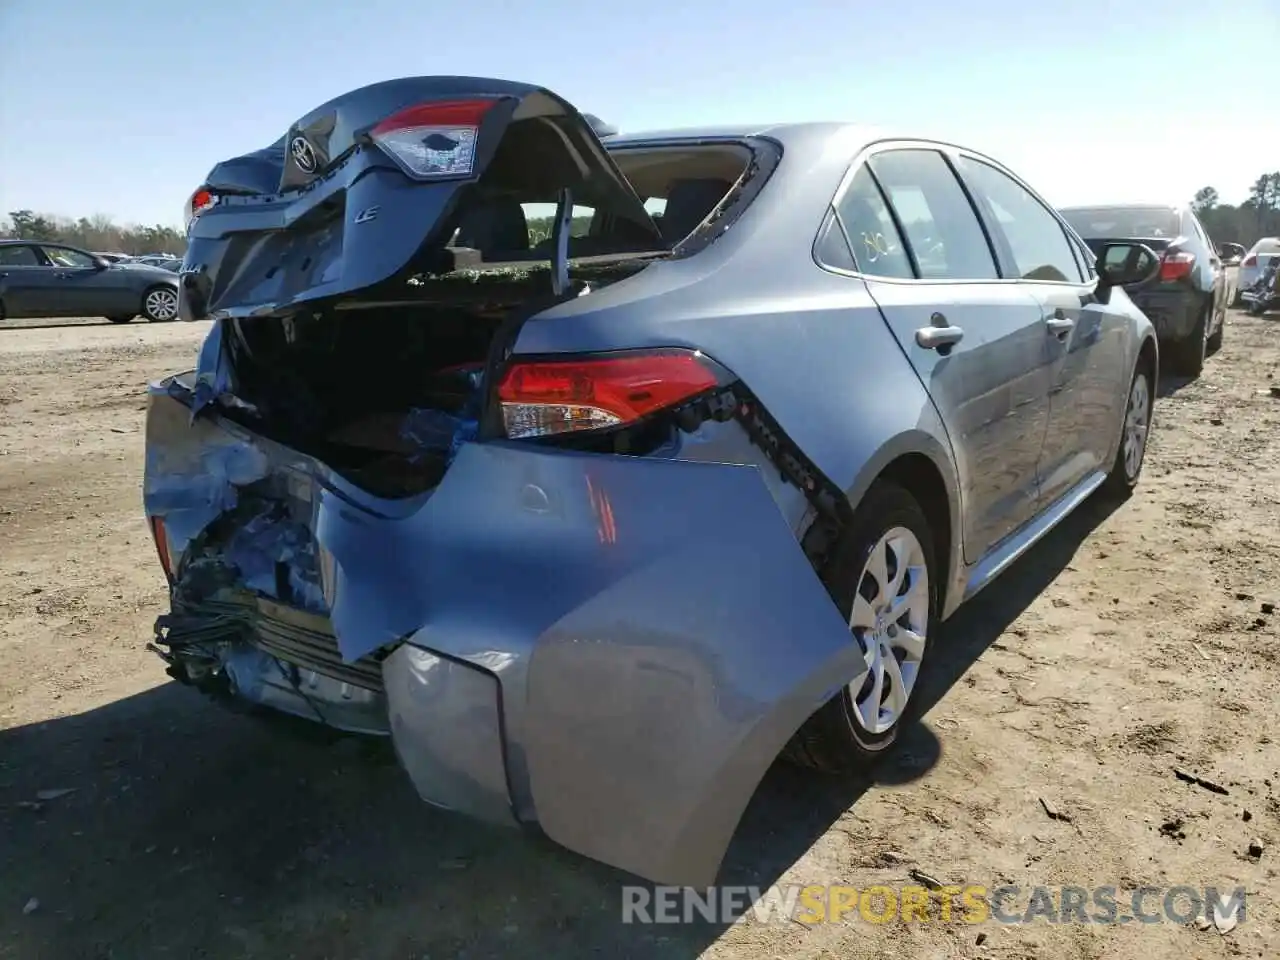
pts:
pixel 1131 642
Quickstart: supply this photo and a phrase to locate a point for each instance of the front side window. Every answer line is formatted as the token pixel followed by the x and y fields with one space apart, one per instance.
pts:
pixel 66 257
pixel 939 221
pixel 1036 241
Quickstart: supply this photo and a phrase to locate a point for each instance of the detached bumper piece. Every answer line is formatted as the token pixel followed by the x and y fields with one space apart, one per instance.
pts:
pixel 443 715
pixel 255 649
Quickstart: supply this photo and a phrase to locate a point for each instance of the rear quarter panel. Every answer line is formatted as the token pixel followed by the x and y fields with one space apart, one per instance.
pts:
pixel 812 346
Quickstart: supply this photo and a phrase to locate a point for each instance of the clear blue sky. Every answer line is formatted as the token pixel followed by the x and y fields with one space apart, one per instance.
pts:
pixel 121 106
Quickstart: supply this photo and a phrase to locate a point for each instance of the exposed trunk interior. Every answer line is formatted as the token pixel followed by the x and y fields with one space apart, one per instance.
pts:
pixel 385 388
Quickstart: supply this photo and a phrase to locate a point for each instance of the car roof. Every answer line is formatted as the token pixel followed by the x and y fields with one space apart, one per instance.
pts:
pixel 1172 207
pixel 742 131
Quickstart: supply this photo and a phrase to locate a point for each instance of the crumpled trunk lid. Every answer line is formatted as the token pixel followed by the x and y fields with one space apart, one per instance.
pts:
pixel 339 206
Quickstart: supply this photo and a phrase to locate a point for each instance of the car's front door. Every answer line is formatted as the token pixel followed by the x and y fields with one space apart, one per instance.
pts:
pixel 85 288
pixel 976 341
pixel 25 281
pixel 1085 337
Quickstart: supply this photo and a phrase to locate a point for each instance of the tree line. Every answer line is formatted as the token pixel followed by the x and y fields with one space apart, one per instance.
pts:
pixel 1257 217
pixel 98 233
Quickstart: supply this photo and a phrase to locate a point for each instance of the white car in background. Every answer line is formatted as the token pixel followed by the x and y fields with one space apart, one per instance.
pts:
pixel 1254 262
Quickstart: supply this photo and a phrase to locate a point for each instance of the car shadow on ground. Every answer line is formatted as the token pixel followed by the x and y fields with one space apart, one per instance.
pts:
pixel 193 831
pixel 1170 385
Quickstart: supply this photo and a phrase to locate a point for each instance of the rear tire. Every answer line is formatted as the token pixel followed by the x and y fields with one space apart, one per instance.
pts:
pixel 121 319
pixel 1214 343
pixel 1135 429
pixel 888 543
pixel 1188 354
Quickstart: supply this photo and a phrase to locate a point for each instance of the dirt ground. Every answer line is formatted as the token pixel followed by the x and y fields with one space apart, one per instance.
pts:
pixel 1133 641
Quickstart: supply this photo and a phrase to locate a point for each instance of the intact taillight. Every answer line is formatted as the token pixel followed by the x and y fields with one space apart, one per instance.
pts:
pixel 1250 261
pixel 433 139
pixel 198 203
pixel 161 538
pixel 1176 266
pixel 546 397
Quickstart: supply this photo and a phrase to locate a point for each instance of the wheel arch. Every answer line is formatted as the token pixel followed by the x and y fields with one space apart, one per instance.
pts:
pixel 920 461
pixel 1149 356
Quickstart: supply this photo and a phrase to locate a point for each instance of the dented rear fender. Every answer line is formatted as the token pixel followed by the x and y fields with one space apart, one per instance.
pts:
pixel 615 648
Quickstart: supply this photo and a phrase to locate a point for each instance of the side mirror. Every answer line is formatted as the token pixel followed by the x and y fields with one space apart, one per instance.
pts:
pixel 101 263
pixel 1126 264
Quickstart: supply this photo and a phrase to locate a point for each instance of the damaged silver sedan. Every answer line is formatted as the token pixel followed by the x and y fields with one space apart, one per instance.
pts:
pixel 599 471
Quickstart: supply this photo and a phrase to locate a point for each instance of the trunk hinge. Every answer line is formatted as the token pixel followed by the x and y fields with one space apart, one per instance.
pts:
pixel 560 231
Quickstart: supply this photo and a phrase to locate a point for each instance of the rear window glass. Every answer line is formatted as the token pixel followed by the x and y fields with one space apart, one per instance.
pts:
pixel 1122 222
pixel 680 187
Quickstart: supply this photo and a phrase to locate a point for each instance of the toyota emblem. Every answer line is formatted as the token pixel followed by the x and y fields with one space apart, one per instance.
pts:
pixel 303 155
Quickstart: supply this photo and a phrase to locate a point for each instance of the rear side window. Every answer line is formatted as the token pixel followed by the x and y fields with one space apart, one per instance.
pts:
pixel 18 257
pixel 873 237
pixel 1034 237
pixel 939 221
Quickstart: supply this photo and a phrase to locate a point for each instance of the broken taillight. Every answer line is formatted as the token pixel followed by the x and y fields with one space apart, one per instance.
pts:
pixel 161 538
pixel 200 201
pixel 1250 261
pixel 433 139
pixel 546 397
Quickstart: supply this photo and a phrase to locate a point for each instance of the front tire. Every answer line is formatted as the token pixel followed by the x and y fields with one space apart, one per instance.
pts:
pixel 128 319
pixel 884 578
pixel 1134 432
pixel 160 304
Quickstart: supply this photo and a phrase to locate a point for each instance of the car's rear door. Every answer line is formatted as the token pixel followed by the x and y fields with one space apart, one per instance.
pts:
pixel 976 341
pixel 25 281
pixel 1085 337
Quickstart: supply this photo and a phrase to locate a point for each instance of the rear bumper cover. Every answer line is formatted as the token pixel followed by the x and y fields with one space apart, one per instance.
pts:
pixel 1172 312
pixel 614 648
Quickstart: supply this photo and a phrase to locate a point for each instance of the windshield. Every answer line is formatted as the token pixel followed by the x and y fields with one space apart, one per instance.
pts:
pixel 1123 222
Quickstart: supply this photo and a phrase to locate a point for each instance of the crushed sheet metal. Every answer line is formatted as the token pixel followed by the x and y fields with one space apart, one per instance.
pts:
pixel 649 680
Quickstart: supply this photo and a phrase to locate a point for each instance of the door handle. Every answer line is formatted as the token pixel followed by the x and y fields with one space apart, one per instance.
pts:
pixel 941 339
pixel 1060 326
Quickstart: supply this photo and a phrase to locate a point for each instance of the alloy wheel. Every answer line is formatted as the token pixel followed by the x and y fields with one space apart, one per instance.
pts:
pixel 161 305
pixel 1137 423
pixel 890 620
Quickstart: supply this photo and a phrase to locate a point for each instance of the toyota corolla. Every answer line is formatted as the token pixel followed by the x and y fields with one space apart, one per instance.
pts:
pixel 597 471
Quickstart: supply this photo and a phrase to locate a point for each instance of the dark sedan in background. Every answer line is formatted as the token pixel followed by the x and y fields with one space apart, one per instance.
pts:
pixel 1187 300
pixel 54 280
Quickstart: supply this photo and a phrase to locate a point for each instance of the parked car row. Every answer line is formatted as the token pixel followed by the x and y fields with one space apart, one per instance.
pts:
pixel 1187 299
pixel 40 280
pixel 1254 265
